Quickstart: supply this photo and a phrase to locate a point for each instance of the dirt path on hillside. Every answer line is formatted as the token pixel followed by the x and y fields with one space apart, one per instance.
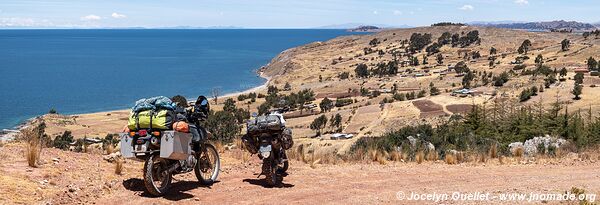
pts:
pixel 76 178
pixel 370 184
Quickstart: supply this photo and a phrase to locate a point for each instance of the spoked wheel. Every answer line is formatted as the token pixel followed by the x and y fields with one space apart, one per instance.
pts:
pixel 207 168
pixel 269 169
pixel 156 179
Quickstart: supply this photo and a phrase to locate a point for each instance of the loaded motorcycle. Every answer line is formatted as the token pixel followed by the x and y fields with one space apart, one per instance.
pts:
pixel 268 137
pixel 170 152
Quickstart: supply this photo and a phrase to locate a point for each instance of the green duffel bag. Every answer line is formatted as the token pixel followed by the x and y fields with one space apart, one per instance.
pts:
pixel 151 119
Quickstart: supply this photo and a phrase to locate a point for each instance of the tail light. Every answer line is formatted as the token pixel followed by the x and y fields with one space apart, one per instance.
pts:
pixel 131 134
pixel 142 132
pixel 156 133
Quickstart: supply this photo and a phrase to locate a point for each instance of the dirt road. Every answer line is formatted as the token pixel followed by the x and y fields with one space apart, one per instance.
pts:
pixel 86 178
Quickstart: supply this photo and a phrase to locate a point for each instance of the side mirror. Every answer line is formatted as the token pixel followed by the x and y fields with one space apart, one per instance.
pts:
pixel 254 114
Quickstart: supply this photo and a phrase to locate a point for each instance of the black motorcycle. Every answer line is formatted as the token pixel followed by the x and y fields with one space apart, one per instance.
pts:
pixel 268 137
pixel 168 152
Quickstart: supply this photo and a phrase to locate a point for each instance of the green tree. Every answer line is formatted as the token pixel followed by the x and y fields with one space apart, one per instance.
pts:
pixel 433 90
pixel 318 124
pixel 565 44
pixel 577 91
pixel 578 78
pixel 229 105
pixel 592 63
pixel 466 81
pixel 563 72
pixel 223 125
pixel 52 111
pixel 525 46
pixel 336 122
pixel 539 59
pixel 493 51
pixel 326 105
pixel 440 59
pixel 362 71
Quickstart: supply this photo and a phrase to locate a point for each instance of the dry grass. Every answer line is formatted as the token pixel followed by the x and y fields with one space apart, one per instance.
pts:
pixel 450 159
pixel 378 156
pixel 119 166
pixel 493 153
pixel 519 152
pixel 396 156
pixel 460 157
pixel 238 143
pixel 420 157
pixel 110 149
pixel 219 146
pixel 502 160
pixel 432 156
pixel 482 158
pixel 34 147
pixel 33 154
pixel 297 153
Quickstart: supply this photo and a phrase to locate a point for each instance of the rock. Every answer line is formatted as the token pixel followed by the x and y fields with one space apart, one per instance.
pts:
pixel 112 157
pixel 412 140
pixel 55 159
pixel 72 188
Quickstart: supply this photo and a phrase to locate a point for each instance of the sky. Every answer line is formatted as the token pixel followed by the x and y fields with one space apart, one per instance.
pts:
pixel 283 13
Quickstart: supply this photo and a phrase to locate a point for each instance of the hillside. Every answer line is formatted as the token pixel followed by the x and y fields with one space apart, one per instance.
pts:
pixel 547 26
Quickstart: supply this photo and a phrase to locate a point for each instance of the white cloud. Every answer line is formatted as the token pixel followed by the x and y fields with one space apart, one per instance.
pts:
pixel 397 13
pixel 522 2
pixel 24 22
pixel 91 17
pixel 118 16
pixel 467 8
pixel 375 12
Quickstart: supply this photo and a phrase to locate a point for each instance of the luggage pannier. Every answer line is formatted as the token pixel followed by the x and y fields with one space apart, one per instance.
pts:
pixel 250 143
pixel 286 139
pixel 264 123
pixel 151 119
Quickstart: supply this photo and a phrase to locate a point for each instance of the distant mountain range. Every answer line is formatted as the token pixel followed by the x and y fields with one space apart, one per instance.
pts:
pixel 550 25
pixel 357 25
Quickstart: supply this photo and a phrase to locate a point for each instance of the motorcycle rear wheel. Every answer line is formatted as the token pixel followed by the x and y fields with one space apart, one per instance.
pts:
pixel 156 181
pixel 270 169
pixel 208 165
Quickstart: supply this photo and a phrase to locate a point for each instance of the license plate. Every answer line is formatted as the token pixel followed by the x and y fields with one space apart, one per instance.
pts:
pixel 265 148
pixel 140 148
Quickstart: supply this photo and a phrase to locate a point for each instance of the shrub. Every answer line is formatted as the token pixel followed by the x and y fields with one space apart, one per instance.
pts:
pixel 399 96
pixel 63 141
pixel 450 158
pixel 340 102
pixel 179 100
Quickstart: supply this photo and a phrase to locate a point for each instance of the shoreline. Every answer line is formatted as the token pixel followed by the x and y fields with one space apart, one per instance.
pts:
pixel 9 134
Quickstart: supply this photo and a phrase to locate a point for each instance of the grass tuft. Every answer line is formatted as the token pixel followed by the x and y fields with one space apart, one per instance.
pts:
pixel 119 166
pixel 420 157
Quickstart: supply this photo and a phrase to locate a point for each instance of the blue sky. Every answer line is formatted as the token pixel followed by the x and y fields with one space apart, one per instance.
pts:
pixel 283 13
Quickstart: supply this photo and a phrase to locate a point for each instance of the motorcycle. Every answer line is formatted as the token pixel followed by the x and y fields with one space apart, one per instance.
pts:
pixel 166 153
pixel 268 137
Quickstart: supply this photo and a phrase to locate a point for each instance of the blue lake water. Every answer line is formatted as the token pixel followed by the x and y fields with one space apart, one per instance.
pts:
pixel 80 71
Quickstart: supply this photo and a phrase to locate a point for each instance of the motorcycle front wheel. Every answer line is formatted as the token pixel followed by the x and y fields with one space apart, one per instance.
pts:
pixel 156 180
pixel 208 165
